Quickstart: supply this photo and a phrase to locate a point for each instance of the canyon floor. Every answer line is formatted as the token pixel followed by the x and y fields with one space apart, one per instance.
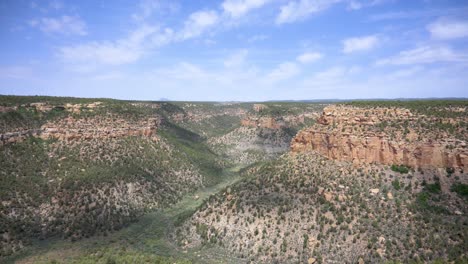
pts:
pixel 107 181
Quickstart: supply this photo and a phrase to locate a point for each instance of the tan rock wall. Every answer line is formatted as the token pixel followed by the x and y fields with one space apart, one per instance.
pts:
pixel 86 129
pixel 367 145
pixel 378 149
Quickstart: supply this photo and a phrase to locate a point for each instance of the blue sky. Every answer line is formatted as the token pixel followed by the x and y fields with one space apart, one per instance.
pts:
pixel 234 49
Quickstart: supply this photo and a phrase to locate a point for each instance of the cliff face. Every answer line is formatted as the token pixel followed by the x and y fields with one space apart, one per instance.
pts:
pixel 261 122
pixel 379 149
pixel 86 129
pixel 350 134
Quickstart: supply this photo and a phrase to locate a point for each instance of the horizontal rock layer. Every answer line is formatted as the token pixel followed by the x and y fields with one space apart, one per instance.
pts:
pixel 352 134
pixel 378 149
pixel 85 129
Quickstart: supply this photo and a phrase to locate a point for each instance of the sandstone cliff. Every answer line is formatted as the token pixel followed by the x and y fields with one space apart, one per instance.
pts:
pixel 356 135
pixel 87 128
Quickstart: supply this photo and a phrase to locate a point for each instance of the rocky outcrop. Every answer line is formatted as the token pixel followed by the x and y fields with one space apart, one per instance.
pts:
pixel 330 138
pixel 87 128
pixel 70 128
pixel 262 122
pixel 276 123
pixel 259 107
pixel 379 149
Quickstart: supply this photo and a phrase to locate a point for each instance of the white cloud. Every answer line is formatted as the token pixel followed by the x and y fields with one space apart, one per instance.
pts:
pixel 448 29
pixel 405 73
pixel 238 8
pixel 56 4
pixel 66 25
pixel 329 79
pixel 237 59
pixel 309 57
pixel 87 56
pixel 147 8
pixel 119 52
pixel 184 71
pixel 164 37
pixel 301 9
pixel 145 38
pixel 331 74
pixel 360 43
pixel 359 4
pixel 283 71
pixel 423 55
pixel 355 5
pixel 197 23
pixel 256 38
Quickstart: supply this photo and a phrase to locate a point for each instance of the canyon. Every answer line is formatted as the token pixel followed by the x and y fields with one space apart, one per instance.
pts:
pixel 270 182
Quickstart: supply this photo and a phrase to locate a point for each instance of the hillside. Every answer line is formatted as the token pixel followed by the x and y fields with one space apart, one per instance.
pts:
pixel 76 168
pixel 87 170
pixel 108 181
pixel 338 201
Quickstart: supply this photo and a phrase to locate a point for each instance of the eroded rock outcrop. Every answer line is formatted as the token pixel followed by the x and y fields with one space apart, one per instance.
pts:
pixel 87 128
pixel 262 122
pixel 356 134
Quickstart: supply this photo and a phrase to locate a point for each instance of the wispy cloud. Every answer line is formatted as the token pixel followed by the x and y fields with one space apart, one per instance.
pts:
pixel 301 9
pixel 237 59
pixel 309 57
pixel 283 71
pixel 405 73
pixel 425 55
pixel 359 4
pixel 258 37
pixel 123 51
pixel 238 8
pixel 360 43
pixel 147 8
pixel 448 29
pixel 139 42
pixel 56 4
pixel 65 25
pixel 198 22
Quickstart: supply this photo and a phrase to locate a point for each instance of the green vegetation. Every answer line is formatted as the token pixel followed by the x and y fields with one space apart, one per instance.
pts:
pixel 182 197
pixel 461 189
pixel 396 184
pixel 116 256
pixel 433 187
pixel 280 109
pixel 400 168
pixel 192 145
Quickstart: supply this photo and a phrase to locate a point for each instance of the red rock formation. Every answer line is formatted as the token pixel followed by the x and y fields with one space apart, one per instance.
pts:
pixel 371 147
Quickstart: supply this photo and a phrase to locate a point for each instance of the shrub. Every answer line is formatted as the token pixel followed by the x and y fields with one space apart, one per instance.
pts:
pixel 460 188
pixel 450 170
pixel 396 184
pixel 400 168
pixel 433 188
